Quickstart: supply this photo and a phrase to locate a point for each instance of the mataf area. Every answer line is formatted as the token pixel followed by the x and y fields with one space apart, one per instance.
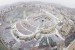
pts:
pixel 37 26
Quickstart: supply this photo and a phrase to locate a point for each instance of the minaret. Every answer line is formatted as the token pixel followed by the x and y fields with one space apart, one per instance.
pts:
pixel 24 14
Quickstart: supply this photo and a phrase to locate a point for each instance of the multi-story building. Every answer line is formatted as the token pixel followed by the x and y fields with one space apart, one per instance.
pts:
pixel 53 42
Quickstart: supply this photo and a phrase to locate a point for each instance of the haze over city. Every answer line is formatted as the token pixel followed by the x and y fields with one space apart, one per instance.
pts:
pixel 68 3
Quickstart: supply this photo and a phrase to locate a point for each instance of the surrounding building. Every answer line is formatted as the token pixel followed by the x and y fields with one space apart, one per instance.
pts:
pixel 71 46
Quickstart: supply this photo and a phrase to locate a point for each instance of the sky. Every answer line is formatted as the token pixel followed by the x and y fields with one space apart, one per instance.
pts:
pixel 67 3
